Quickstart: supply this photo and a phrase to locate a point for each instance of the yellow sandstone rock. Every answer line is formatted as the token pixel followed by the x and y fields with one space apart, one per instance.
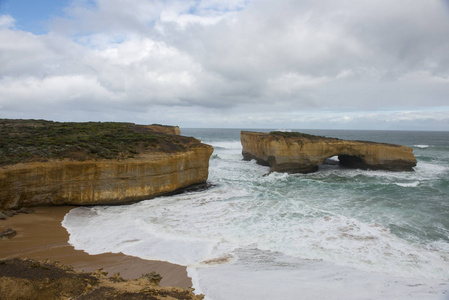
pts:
pixel 66 182
pixel 301 153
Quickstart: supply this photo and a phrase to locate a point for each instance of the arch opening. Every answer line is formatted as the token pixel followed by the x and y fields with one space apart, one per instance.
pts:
pixel 352 162
pixel 344 161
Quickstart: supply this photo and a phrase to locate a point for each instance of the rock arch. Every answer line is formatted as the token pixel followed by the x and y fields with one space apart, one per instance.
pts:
pixel 294 152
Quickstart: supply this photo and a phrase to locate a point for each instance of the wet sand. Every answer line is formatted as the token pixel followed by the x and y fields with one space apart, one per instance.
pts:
pixel 41 236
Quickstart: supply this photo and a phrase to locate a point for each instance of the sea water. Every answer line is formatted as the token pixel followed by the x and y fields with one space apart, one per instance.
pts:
pixel 334 234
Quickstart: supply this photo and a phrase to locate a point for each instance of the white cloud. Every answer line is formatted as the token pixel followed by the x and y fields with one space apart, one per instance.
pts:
pixel 233 62
pixel 30 94
pixel 7 21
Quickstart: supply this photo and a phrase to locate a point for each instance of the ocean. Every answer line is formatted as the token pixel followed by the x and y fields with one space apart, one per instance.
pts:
pixel 334 234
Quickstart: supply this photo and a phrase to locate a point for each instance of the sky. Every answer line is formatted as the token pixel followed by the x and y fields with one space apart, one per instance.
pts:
pixel 285 64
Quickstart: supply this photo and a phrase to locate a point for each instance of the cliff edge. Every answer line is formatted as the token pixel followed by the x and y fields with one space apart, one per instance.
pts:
pixel 295 152
pixel 51 163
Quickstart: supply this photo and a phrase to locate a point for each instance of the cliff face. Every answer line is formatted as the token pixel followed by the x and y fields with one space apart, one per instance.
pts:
pixel 301 153
pixel 62 182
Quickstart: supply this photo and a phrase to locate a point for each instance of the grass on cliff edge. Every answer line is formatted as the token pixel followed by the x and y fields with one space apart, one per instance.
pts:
pixel 295 134
pixel 300 137
pixel 40 140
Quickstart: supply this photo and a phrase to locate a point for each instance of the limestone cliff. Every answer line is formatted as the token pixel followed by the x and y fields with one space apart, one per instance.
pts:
pixel 161 165
pixel 102 181
pixel 301 153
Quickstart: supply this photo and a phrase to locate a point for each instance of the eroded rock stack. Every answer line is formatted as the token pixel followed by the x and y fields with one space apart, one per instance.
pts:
pixel 294 152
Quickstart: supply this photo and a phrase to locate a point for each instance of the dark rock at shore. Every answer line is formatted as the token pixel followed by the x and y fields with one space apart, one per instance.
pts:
pixel 9 213
pixel 25 210
pixel 8 233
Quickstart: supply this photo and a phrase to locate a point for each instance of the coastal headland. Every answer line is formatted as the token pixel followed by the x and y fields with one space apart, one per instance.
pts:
pixel 53 166
pixel 294 152
pixel 51 163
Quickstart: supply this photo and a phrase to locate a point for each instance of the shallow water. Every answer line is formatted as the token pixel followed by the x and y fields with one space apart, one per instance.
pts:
pixel 335 234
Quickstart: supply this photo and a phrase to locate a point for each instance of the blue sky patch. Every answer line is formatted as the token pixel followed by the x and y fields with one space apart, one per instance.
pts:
pixel 31 15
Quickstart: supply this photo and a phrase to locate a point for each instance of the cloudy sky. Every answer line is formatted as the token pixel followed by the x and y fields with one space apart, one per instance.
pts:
pixel 337 64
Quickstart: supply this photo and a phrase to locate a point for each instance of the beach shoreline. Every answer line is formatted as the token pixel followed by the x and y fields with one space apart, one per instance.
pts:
pixel 41 236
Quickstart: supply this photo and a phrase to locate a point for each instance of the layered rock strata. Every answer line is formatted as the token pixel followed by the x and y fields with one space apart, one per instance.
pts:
pixel 156 171
pixel 102 181
pixel 302 153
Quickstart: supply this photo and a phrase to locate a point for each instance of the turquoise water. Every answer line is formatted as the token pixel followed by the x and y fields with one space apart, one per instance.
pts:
pixel 304 233
pixel 414 206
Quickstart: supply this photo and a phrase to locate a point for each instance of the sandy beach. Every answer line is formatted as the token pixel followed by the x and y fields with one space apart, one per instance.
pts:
pixel 41 236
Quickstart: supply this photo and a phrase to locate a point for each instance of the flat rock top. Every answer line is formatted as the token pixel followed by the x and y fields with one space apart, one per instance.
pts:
pixel 23 141
pixel 299 137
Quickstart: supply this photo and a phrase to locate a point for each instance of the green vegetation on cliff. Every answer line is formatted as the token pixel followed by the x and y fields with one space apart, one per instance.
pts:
pixel 40 140
pixel 299 135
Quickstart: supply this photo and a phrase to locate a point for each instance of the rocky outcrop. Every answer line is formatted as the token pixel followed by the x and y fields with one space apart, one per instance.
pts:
pixel 66 182
pixel 31 279
pixel 52 163
pixel 294 152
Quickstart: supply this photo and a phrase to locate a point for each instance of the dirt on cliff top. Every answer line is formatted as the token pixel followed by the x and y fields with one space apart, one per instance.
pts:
pixel 31 279
pixel 40 140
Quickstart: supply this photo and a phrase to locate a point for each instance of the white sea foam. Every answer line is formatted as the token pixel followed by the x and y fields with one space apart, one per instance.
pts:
pixel 217 238
pixel 409 184
pixel 227 145
pixel 421 146
pixel 430 170
pixel 277 236
pixel 193 229
pixel 279 277
pixel 423 171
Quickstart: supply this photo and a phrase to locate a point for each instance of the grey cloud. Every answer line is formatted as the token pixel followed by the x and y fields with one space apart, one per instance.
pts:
pixel 376 41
